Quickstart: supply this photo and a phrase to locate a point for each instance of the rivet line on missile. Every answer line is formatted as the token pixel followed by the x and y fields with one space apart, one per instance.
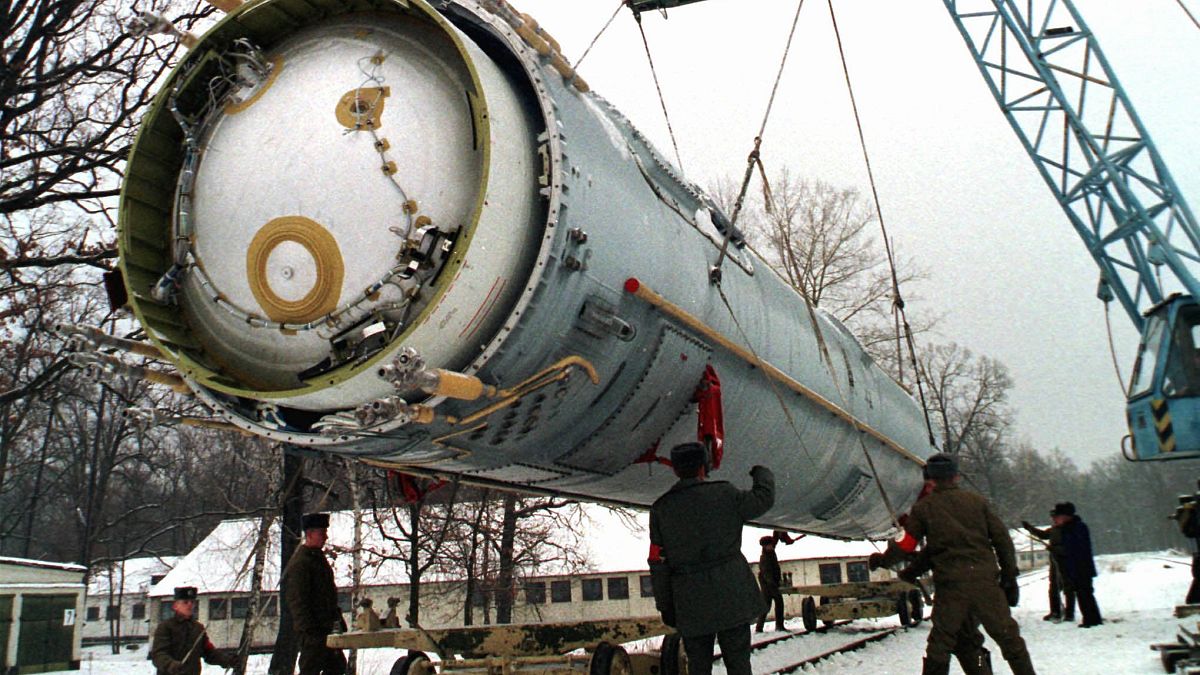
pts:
pixel 644 293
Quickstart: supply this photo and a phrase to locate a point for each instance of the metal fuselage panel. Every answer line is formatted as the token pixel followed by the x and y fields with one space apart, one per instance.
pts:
pixel 610 208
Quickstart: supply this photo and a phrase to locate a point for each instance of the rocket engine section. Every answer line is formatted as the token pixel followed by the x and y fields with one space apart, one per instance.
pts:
pixel 406 231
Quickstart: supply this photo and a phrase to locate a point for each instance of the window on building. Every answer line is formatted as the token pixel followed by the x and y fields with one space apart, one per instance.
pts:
pixel 535 593
pixel 93 613
pixel 164 610
pixel 618 588
pixel 271 608
pixel 831 573
pixel 344 602
pixel 155 578
pixel 139 610
pixel 112 613
pixel 239 608
pixel 218 608
pixel 593 589
pixel 560 591
pixel 858 571
pixel 785 580
pixel 647 587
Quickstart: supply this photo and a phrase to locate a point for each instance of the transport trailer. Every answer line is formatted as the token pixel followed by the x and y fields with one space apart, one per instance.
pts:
pixel 859 600
pixel 547 648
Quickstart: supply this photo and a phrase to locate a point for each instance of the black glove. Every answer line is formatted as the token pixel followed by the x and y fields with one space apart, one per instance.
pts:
pixel 1011 590
pixel 1025 524
pixel 176 668
pixel 875 561
pixel 908 574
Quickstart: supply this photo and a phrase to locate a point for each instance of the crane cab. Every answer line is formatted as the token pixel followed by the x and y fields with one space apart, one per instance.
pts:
pixel 1163 408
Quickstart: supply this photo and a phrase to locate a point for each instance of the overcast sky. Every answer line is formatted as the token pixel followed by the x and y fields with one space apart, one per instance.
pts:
pixel 958 193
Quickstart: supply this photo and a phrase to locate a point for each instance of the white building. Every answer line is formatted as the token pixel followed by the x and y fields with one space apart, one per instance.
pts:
pixel 117 602
pixel 617 583
pixel 40 603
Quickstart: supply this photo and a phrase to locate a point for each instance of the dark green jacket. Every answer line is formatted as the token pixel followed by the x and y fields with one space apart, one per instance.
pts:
pixel 702 582
pixel 965 539
pixel 769 574
pixel 311 593
pixel 183 641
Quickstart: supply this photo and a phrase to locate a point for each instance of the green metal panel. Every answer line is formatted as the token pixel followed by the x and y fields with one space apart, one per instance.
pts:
pixel 6 604
pixel 45 644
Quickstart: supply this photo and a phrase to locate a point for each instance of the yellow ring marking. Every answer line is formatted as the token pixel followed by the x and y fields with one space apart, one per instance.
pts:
pixel 327 257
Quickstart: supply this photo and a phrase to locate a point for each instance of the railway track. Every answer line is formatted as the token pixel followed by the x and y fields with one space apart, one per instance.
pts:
pixel 846 648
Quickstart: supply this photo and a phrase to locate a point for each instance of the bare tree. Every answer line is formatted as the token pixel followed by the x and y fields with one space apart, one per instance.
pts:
pixel 822 240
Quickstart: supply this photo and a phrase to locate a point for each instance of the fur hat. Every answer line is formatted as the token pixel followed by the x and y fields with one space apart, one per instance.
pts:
pixel 940 465
pixel 185 592
pixel 314 521
pixel 687 458
pixel 1063 509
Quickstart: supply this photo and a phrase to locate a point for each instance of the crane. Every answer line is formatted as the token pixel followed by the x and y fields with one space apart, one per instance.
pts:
pixel 1058 91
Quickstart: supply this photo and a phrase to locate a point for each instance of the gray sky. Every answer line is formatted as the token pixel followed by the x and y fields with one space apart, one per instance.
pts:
pixel 959 194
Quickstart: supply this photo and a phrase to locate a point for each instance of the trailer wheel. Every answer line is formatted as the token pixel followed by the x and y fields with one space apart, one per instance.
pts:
pixel 916 607
pixel 808 614
pixel 609 659
pixel 672 659
pixel 410 664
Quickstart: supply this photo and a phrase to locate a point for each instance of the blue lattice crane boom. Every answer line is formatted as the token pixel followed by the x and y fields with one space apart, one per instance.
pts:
pixel 1047 72
pixel 1050 77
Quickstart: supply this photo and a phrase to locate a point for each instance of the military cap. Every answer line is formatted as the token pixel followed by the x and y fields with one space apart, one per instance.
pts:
pixel 686 458
pixel 763 541
pixel 185 592
pixel 1063 509
pixel 314 521
pixel 940 465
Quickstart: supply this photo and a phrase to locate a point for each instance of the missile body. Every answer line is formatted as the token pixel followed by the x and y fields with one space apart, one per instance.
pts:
pixel 407 232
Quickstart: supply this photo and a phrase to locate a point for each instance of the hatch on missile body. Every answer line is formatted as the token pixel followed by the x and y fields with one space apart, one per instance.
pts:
pixel 404 230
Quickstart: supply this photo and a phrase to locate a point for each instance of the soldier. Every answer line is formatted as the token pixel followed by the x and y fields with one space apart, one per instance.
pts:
pixel 181 641
pixel 769 578
pixel 1052 537
pixel 964 538
pixel 1078 566
pixel 703 585
pixel 312 600
pixel 974 658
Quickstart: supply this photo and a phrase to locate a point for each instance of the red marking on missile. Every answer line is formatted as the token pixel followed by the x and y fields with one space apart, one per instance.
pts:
pixel 484 308
pixel 632 285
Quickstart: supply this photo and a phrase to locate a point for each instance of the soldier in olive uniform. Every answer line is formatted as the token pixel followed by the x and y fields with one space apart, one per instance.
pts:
pixel 703 585
pixel 972 656
pixel 965 540
pixel 1052 537
pixel 312 600
pixel 769 579
pixel 181 641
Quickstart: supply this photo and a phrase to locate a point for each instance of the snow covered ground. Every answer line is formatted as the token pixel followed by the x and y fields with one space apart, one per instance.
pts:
pixel 1137 593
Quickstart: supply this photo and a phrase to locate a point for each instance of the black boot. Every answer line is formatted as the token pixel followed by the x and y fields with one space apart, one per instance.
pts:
pixel 1022 665
pixel 935 667
pixel 1052 616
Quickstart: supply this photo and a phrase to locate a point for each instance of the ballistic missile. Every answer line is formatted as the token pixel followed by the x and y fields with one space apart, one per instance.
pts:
pixel 407 231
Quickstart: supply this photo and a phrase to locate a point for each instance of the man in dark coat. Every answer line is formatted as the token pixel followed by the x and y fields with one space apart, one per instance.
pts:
pixel 1079 568
pixel 312 600
pixel 769 578
pixel 1052 537
pixel 974 568
pixel 181 641
pixel 703 586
